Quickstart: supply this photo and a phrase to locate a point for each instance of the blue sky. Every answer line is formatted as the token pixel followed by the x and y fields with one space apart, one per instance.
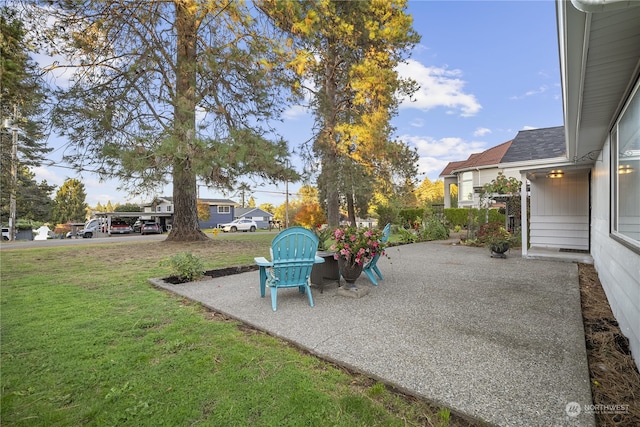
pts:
pixel 486 71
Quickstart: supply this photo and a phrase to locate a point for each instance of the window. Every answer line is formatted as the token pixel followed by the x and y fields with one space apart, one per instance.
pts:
pixel 158 208
pixel 169 208
pixel 466 187
pixel 625 174
pixel 224 209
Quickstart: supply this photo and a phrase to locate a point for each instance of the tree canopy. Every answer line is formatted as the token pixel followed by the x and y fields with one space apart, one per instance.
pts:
pixel 175 91
pixel 21 98
pixel 346 53
pixel 70 202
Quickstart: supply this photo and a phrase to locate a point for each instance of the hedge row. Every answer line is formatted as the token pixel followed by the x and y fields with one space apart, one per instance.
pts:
pixel 462 216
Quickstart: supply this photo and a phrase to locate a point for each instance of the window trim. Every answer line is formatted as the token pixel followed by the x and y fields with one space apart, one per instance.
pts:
pixel 224 209
pixel 623 239
pixel 469 181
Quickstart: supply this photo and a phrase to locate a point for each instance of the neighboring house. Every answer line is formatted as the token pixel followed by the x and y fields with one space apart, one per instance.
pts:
pixel 600 70
pixel 529 147
pixel 221 211
pixel 471 174
pixel 159 205
pixel 261 217
pixel 159 210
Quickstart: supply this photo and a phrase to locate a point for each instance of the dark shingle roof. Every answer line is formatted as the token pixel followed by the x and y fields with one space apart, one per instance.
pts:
pixel 536 144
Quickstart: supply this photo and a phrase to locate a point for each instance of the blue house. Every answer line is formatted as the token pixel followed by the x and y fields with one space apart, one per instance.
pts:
pixel 221 211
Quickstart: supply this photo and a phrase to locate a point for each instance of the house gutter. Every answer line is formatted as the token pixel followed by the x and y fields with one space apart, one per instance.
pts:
pixel 597 6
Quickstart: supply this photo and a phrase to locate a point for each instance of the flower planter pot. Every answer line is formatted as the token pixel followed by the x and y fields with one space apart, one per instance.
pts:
pixel 498 249
pixel 350 271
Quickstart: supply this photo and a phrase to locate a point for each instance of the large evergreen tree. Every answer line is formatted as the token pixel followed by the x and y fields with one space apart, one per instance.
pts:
pixel 349 51
pixel 34 200
pixel 70 203
pixel 21 106
pixel 174 90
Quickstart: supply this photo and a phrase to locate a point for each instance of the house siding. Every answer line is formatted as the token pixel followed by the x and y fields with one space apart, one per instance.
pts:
pixel 560 212
pixel 216 218
pixel 618 267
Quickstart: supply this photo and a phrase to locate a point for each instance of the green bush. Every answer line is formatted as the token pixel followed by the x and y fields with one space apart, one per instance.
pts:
pixel 407 236
pixel 409 216
pixel 184 266
pixel 434 229
pixel 387 214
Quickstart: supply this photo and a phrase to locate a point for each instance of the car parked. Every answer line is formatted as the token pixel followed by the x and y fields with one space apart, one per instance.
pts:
pixel 137 226
pixel 5 233
pixel 118 226
pixel 150 228
pixel 240 225
pixel 93 226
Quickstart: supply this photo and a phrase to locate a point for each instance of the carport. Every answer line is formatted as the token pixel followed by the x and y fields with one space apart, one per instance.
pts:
pixel 160 217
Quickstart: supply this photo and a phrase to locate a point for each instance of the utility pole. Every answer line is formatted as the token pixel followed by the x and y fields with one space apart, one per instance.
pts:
pixel 14 178
pixel 286 199
pixel 14 171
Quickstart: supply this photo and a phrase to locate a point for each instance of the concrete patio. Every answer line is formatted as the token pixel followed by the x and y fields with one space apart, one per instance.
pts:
pixel 500 340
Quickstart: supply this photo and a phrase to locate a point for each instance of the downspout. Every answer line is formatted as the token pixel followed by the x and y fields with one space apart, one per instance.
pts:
pixel 585 51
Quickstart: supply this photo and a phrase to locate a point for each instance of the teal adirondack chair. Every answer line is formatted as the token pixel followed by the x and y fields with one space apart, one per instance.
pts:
pixel 371 267
pixel 293 253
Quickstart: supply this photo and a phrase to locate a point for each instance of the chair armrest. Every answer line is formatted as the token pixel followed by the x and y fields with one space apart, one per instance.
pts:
pixel 318 260
pixel 262 262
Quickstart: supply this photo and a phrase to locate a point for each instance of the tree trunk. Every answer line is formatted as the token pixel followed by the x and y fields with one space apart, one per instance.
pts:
pixel 351 209
pixel 185 218
pixel 329 149
pixel 185 226
pixel 330 182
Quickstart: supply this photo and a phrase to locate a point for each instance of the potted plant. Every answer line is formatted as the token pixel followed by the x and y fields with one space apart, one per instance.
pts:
pixel 353 247
pixel 495 237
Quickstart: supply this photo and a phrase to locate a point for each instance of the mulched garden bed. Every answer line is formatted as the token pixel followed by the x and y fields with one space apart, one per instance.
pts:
pixel 615 379
pixel 221 272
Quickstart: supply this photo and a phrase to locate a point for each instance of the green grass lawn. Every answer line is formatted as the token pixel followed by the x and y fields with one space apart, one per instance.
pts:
pixel 85 340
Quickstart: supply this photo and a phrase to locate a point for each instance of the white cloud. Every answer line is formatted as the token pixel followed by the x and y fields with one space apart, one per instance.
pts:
pixel 481 132
pixel 532 92
pixel 439 87
pixel 434 154
pixel 431 167
pixel 293 113
pixel 417 122
pixel 52 178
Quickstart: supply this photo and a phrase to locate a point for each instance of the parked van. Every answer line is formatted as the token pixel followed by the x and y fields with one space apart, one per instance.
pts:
pixel 91 228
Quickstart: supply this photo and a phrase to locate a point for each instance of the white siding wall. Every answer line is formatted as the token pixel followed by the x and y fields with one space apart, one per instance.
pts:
pixel 560 212
pixel 618 267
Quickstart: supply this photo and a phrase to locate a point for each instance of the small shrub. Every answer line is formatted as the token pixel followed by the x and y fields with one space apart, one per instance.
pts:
pixel 493 233
pixel 184 266
pixel 434 229
pixel 407 236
